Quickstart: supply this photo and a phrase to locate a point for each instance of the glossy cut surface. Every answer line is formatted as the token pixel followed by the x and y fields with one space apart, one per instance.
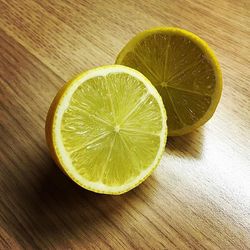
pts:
pixel 184 70
pixel 108 129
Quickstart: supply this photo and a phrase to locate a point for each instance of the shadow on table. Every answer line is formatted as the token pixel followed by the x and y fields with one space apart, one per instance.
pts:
pixel 53 208
pixel 190 145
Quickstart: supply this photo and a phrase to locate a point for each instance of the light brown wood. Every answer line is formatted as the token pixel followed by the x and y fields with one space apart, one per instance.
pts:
pixel 199 196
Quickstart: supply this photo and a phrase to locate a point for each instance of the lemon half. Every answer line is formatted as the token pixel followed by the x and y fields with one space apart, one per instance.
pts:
pixel 106 129
pixel 183 69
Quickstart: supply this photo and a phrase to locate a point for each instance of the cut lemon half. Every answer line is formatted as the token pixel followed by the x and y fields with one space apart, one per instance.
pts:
pixel 183 69
pixel 107 129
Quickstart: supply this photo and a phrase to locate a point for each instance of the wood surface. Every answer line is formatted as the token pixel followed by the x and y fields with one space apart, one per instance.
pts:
pixel 199 196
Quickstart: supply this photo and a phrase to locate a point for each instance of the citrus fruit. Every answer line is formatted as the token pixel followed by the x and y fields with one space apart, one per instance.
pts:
pixel 107 129
pixel 183 69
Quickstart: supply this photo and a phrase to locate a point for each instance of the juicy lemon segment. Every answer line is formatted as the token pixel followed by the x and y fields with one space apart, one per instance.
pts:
pixel 108 129
pixel 183 69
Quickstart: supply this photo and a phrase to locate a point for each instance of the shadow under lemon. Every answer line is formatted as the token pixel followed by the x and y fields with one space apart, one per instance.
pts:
pixel 55 209
pixel 189 145
pixel 58 209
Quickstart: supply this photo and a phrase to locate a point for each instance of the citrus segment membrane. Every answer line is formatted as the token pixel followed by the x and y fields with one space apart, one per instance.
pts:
pixel 111 129
pixel 184 71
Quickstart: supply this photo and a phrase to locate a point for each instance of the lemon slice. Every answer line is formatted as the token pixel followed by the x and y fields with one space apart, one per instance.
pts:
pixel 107 129
pixel 183 69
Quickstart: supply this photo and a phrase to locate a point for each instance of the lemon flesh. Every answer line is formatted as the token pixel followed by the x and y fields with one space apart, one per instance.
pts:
pixel 183 69
pixel 107 129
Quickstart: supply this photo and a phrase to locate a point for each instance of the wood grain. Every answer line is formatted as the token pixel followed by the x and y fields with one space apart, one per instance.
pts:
pixel 198 198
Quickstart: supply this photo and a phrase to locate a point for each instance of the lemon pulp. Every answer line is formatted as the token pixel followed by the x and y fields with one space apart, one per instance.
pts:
pixel 183 69
pixel 108 129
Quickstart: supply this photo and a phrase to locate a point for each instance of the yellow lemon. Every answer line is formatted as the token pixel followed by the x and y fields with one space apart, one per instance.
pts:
pixel 106 129
pixel 183 69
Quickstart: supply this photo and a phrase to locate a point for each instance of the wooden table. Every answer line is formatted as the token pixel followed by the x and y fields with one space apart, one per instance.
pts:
pixel 198 198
